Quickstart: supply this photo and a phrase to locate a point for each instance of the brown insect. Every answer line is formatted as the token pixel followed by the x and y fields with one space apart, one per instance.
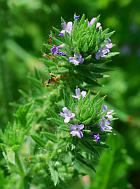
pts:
pixel 54 79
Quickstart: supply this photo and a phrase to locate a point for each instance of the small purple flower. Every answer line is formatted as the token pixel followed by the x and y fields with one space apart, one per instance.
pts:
pixel 109 44
pixel 103 51
pixel 55 50
pixel 78 94
pixel 76 130
pixel 77 59
pixel 66 27
pixel 105 125
pixel 104 108
pixel 93 20
pixel 109 113
pixel 76 17
pixel 67 114
pixel 96 137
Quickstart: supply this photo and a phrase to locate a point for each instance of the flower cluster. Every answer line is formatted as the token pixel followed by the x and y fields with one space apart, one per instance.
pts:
pixel 77 129
pixel 103 51
pixel 78 58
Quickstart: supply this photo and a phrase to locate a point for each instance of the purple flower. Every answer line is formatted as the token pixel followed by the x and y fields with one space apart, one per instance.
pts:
pixel 77 59
pixel 93 20
pixel 105 125
pixel 104 108
pixel 76 130
pixel 103 51
pixel 55 50
pixel 78 94
pixel 67 114
pixel 66 27
pixel 109 44
pixel 76 17
pixel 109 113
pixel 96 137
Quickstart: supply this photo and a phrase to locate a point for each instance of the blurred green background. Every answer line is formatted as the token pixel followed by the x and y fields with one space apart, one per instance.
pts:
pixel 24 27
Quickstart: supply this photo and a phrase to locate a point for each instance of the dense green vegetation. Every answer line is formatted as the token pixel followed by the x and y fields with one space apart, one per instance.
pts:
pixel 25 26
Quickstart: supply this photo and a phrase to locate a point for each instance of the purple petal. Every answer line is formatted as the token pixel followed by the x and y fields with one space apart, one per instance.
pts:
pixel 80 127
pixel 76 17
pixel 65 110
pixel 75 62
pixel 109 114
pixel 71 59
pixel 93 20
pixel 78 57
pixel 83 93
pixel 80 134
pixel 62 114
pixel 67 119
pixel 98 55
pixel 61 34
pixel 77 92
pixel 107 122
pixel 73 127
pixel 72 115
pixel 109 44
pixel 69 27
pixel 54 50
pixel 77 97
pixel 73 133
pixel 64 26
pixel 96 137
pixel 108 128
pixel 62 53
pixel 104 107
